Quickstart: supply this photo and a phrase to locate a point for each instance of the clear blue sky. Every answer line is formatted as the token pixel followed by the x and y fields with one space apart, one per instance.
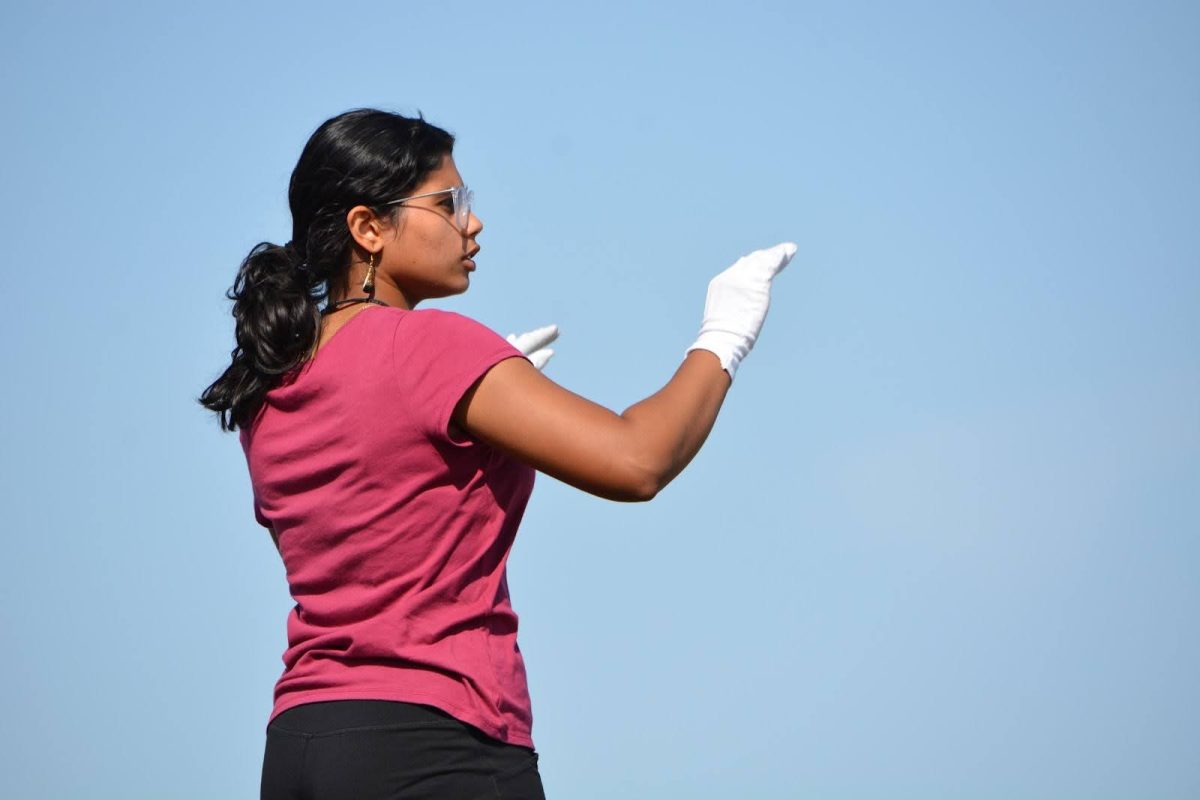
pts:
pixel 943 540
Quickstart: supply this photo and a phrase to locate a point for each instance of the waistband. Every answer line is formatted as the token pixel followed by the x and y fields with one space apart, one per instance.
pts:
pixel 331 715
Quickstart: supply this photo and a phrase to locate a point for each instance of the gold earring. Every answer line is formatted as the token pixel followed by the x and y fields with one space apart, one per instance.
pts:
pixel 369 283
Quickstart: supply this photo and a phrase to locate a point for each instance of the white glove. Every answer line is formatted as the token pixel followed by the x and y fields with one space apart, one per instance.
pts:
pixel 737 303
pixel 533 344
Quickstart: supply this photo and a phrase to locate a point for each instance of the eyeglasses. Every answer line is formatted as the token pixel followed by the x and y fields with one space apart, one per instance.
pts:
pixel 463 197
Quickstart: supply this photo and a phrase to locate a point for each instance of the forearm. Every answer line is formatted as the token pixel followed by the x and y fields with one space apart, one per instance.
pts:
pixel 670 426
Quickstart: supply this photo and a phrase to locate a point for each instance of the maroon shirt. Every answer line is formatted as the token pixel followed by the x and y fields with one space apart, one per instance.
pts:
pixel 393 526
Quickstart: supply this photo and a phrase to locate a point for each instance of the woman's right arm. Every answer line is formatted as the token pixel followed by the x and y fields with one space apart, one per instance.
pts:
pixel 628 457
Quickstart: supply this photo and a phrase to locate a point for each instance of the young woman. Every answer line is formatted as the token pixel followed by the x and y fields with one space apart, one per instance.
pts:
pixel 392 452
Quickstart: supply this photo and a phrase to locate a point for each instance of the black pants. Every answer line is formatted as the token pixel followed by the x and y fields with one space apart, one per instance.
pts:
pixel 375 749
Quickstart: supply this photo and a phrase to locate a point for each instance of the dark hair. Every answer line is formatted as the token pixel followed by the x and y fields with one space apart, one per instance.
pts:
pixel 362 157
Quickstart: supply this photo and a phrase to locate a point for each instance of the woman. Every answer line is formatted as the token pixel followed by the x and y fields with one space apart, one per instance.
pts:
pixel 392 452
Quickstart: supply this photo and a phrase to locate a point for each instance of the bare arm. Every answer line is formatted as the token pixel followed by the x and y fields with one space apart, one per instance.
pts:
pixel 673 423
pixel 628 457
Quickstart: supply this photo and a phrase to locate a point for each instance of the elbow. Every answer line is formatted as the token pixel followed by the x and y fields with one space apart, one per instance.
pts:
pixel 646 481
pixel 645 491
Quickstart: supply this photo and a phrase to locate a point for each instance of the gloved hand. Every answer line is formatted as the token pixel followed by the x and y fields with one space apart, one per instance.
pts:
pixel 533 344
pixel 737 303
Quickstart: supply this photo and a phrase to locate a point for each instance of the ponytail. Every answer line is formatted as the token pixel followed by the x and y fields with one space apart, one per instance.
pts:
pixel 277 327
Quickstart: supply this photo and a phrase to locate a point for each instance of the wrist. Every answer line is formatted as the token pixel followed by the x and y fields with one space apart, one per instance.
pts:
pixel 729 348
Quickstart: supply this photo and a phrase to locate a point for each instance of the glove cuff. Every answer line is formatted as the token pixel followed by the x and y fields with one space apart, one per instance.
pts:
pixel 730 348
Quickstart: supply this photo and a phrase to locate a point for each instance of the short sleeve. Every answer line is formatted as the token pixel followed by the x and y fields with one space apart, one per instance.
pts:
pixel 438 355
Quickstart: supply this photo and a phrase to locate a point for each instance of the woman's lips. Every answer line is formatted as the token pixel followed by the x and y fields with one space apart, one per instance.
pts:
pixel 470 264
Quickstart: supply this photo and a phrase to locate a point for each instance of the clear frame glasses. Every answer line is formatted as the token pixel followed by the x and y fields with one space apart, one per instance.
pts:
pixel 463 197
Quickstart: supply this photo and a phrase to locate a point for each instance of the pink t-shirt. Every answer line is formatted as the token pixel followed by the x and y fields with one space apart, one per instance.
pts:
pixel 393 525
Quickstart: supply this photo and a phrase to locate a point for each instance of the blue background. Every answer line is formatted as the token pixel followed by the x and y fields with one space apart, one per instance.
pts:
pixel 942 541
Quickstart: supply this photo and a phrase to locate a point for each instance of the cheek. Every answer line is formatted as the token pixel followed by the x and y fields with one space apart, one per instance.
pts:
pixel 423 242
pixel 433 241
pixel 452 243
pixel 438 233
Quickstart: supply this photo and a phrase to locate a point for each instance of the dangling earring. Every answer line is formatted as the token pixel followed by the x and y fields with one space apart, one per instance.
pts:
pixel 369 283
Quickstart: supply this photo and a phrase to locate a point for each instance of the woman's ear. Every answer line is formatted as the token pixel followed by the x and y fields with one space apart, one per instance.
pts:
pixel 365 228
